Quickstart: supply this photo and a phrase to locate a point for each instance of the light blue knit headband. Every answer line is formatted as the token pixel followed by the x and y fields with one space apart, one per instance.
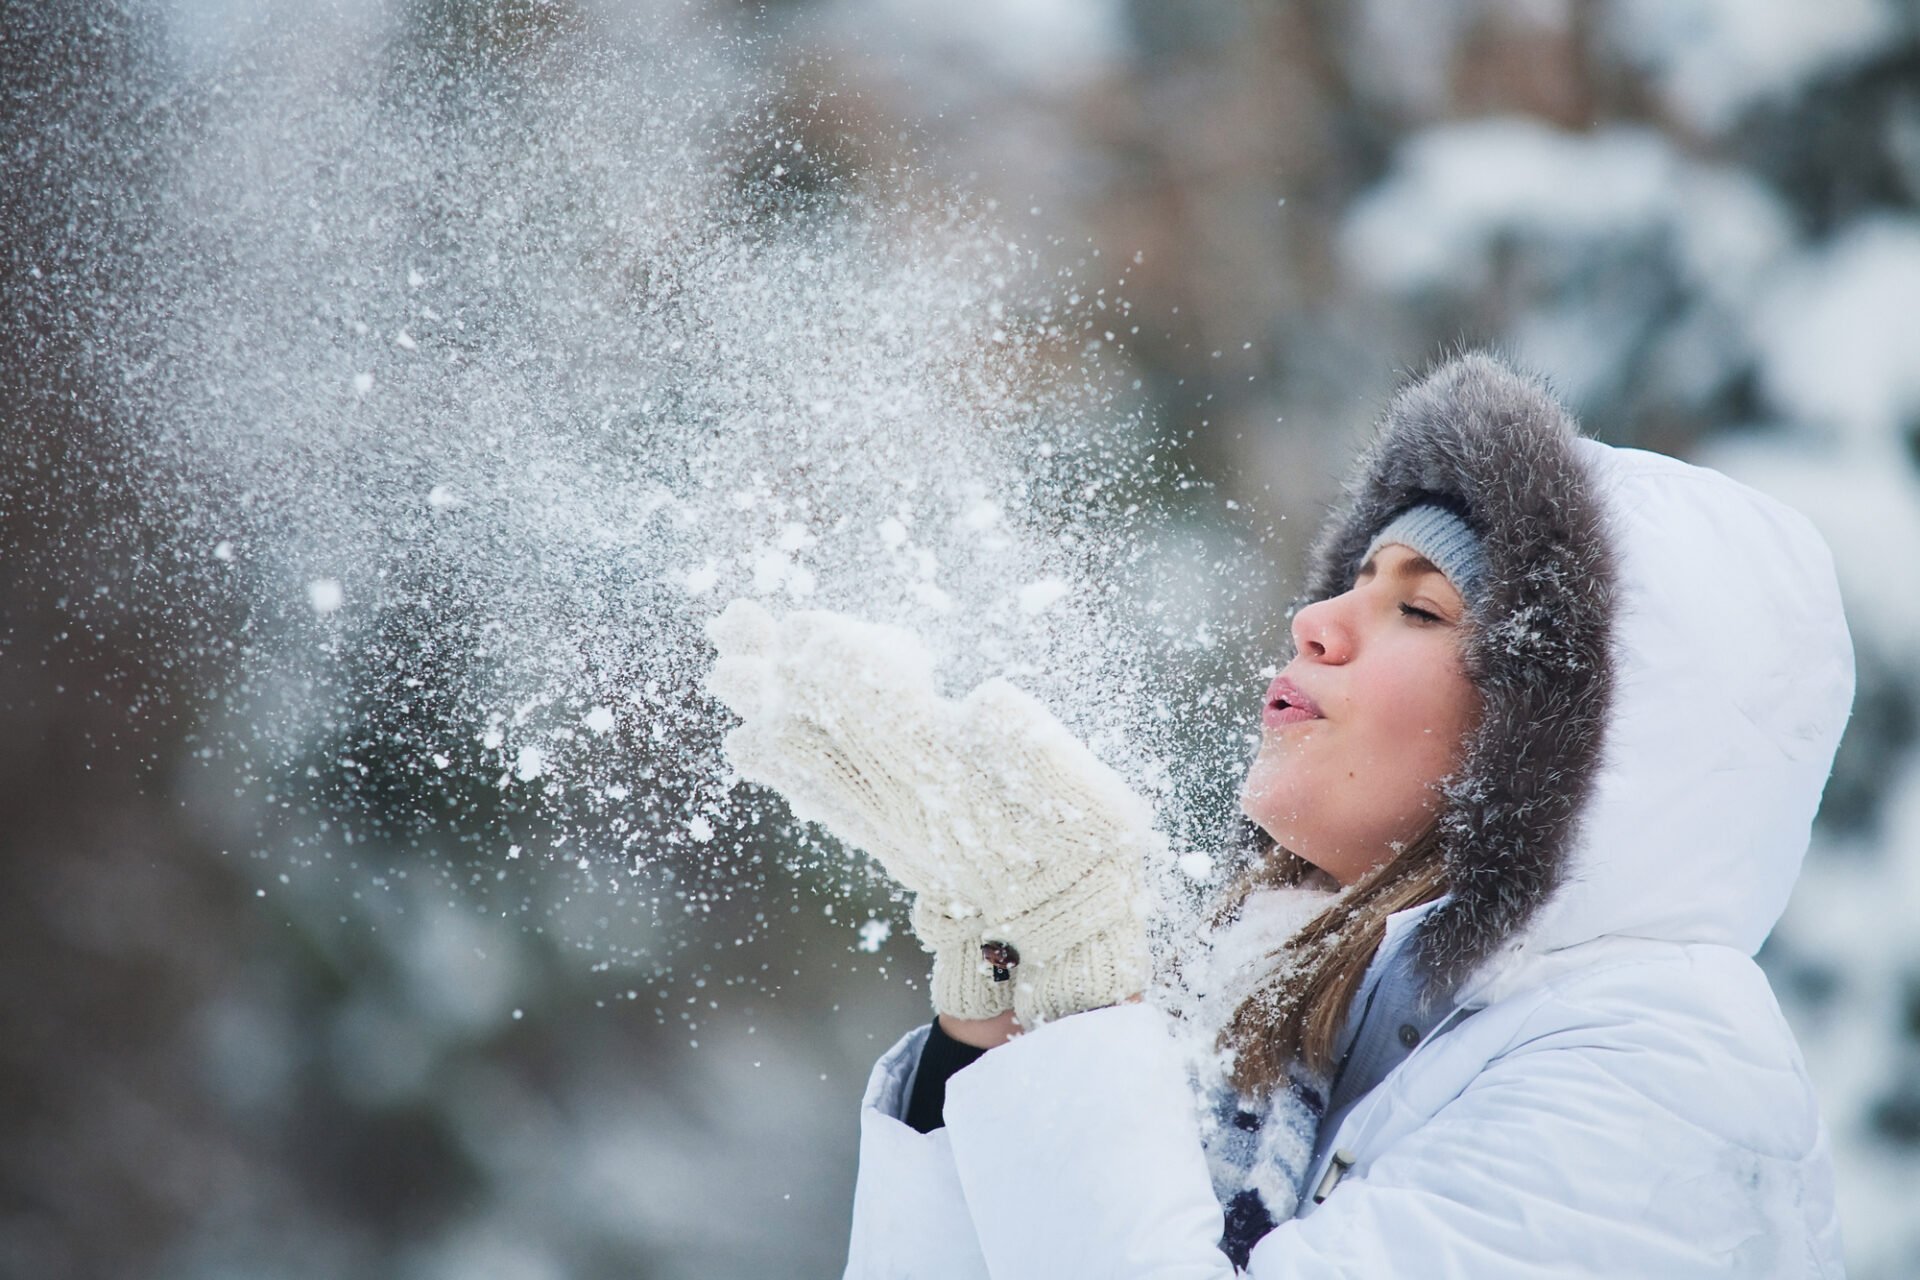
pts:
pixel 1445 539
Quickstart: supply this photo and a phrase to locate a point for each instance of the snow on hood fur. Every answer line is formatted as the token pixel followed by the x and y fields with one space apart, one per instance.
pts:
pixel 1664 666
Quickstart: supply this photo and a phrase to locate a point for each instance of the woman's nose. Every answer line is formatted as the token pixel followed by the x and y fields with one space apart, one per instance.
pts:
pixel 1321 633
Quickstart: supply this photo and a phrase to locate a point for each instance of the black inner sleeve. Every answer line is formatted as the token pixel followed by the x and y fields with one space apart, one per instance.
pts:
pixel 939 1059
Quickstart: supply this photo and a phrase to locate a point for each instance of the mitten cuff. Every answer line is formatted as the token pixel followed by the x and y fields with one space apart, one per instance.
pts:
pixel 962 985
pixel 1083 947
pixel 964 988
pixel 1097 971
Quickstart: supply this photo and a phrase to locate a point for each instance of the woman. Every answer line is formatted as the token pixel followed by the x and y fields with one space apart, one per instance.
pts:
pixel 1558 720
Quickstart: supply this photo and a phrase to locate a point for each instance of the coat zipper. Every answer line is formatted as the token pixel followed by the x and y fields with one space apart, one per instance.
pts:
pixel 1342 1161
pixel 1343 1157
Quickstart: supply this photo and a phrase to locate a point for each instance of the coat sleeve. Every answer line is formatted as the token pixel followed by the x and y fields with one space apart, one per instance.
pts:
pixel 1600 1143
pixel 1078 1148
pixel 910 1216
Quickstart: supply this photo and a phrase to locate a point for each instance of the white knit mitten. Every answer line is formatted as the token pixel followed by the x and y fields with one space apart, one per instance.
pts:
pixel 1009 831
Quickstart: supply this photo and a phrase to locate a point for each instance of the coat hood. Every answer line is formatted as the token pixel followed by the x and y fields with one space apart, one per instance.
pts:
pixel 1664 667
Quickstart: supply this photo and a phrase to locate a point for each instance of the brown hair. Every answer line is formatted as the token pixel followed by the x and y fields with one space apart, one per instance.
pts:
pixel 1297 1013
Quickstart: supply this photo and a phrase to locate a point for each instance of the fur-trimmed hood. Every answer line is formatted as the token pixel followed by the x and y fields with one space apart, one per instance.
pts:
pixel 1664 666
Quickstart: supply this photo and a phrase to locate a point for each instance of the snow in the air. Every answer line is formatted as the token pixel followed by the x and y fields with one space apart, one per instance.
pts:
pixel 442 379
pixel 324 594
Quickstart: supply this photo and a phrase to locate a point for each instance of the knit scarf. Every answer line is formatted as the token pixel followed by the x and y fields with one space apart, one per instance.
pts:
pixel 1259 1152
pixel 1258 1149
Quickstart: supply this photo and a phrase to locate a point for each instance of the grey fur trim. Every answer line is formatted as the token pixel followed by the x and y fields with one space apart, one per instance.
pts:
pixel 1498 446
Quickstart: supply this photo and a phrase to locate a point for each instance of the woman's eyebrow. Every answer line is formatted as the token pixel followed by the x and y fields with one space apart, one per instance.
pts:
pixel 1413 566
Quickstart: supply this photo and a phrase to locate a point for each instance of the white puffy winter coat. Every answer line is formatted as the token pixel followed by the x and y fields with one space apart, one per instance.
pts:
pixel 1625 1099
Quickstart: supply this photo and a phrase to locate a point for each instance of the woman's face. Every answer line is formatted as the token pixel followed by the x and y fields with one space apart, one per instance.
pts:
pixel 1381 665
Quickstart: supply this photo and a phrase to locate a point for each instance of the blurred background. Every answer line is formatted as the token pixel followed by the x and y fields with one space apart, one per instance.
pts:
pixel 1699 218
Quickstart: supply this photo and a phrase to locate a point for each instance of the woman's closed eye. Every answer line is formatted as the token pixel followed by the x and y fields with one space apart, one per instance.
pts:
pixel 1422 614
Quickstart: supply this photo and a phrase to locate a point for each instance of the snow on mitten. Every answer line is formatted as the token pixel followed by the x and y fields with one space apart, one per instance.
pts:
pixel 1010 831
pixel 841 718
pixel 829 708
